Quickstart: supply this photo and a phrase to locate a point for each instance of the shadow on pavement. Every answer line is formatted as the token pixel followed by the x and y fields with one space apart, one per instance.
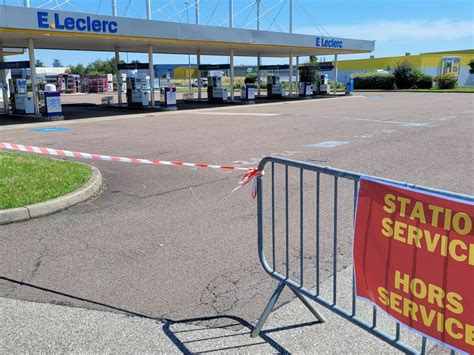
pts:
pixel 186 335
pixel 198 340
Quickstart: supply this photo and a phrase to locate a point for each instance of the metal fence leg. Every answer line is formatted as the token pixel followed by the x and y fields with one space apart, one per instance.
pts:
pixel 310 307
pixel 268 309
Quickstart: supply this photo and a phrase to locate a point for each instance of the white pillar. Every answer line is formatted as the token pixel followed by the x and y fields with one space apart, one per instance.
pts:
pixel 335 74
pixel 198 56
pixel 198 62
pixel 26 3
pixel 231 13
pixel 290 74
pixel 151 74
pixel 3 82
pixel 259 86
pixel 148 9
pixel 297 72
pixel 114 7
pixel 31 54
pixel 232 91
pixel 119 76
pixel 291 16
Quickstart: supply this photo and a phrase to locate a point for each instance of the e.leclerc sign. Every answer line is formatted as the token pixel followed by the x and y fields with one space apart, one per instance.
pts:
pixel 329 43
pixel 81 24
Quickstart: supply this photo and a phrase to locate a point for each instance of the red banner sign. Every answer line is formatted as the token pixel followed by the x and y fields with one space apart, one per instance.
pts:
pixel 414 258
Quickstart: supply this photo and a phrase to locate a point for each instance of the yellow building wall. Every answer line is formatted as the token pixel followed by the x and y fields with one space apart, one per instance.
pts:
pixel 183 73
pixel 420 61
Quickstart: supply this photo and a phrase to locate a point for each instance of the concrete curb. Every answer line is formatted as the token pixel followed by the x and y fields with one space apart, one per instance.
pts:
pixel 58 204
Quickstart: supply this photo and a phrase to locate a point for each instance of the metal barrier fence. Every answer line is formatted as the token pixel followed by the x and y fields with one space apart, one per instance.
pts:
pixel 293 261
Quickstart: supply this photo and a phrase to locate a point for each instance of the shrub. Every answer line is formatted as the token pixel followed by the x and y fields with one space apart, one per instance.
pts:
pixel 250 78
pixel 405 75
pixel 446 81
pixel 238 84
pixel 376 81
pixel 340 86
pixel 424 82
pixel 308 76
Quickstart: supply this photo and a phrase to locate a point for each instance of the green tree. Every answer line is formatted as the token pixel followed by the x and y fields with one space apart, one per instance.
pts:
pixel 135 61
pixel 57 63
pixel 39 63
pixel 77 69
pixel 306 75
pixel 100 66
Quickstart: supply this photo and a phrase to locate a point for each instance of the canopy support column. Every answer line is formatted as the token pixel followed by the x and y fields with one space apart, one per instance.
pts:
pixel 119 77
pixel 151 72
pixel 31 55
pixel 297 72
pixel 3 82
pixel 198 62
pixel 259 84
pixel 291 75
pixel 335 74
pixel 232 90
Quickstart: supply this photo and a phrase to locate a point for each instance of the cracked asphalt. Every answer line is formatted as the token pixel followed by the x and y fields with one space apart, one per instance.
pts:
pixel 173 242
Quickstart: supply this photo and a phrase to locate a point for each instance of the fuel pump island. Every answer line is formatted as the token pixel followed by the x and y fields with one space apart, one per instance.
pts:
pixel 25 27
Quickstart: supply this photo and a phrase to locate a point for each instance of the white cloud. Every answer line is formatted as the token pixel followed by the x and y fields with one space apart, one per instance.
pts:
pixel 400 30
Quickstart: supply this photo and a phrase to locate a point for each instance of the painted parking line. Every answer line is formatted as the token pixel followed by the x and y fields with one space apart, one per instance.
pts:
pixel 50 129
pixel 407 124
pixel 328 144
pixel 234 114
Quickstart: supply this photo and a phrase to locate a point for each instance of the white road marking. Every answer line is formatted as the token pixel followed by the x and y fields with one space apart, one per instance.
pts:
pixel 407 124
pixel 328 144
pixel 375 133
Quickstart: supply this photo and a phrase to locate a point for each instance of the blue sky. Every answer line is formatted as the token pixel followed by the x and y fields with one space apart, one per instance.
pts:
pixel 398 26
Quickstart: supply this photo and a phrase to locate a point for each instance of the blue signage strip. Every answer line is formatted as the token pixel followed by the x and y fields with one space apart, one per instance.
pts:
pixel 81 24
pixel 15 65
pixel 320 67
pixel 204 67
pixel 275 67
pixel 132 66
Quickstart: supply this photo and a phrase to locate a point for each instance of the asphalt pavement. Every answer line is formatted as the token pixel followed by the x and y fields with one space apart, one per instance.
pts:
pixel 173 242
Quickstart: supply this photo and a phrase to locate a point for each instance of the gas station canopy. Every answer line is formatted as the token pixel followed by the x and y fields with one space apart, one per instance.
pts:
pixel 50 29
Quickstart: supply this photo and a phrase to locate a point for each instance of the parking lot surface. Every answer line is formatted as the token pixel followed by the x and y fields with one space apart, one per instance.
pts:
pixel 173 242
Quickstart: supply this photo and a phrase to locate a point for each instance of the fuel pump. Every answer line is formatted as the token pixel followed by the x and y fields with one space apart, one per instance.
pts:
pixel 274 87
pixel 138 90
pixel 22 99
pixel 215 91
pixel 322 84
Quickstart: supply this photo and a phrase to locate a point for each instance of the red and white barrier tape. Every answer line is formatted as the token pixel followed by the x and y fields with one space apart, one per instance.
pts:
pixel 248 177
